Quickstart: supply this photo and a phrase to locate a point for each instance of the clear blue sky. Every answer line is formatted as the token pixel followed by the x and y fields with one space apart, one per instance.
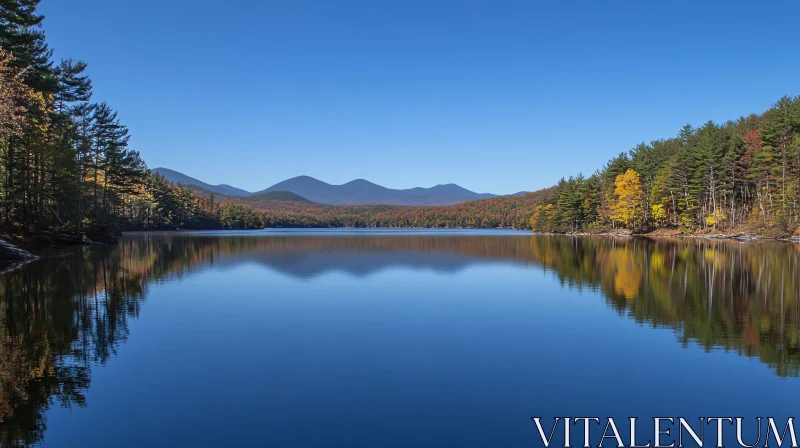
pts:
pixel 497 96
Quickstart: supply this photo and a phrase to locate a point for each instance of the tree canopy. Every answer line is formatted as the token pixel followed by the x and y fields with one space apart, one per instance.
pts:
pixel 717 177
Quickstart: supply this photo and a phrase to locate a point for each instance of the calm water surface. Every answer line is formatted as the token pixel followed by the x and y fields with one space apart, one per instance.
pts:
pixel 389 338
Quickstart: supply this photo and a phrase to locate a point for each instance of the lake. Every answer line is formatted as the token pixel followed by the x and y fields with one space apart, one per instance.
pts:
pixel 389 338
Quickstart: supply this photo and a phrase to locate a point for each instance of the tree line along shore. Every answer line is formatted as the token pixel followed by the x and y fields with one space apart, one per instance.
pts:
pixel 742 176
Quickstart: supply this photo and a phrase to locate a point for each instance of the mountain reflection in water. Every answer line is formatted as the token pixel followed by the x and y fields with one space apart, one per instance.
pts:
pixel 65 315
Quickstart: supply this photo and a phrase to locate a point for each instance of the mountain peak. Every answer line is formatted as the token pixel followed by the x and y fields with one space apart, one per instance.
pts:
pixel 180 178
pixel 361 183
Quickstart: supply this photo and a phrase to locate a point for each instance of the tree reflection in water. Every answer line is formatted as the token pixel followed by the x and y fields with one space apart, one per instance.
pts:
pixel 66 314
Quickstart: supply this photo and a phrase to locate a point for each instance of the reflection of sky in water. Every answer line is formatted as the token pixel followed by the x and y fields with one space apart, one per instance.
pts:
pixel 433 343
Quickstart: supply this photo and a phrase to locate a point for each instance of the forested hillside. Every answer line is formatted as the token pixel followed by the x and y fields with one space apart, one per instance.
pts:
pixel 501 211
pixel 718 177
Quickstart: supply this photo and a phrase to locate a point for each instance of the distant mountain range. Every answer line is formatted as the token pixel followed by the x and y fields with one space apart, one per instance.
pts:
pixel 356 192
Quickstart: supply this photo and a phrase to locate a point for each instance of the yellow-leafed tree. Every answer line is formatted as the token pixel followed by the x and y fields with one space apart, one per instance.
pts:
pixel 629 207
pixel 659 214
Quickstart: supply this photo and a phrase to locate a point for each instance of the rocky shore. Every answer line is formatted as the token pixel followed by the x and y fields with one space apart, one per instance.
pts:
pixel 13 257
pixel 16 251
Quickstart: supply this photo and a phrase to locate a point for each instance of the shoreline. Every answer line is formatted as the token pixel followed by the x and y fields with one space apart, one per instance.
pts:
pixel 17 251
pixel 738 236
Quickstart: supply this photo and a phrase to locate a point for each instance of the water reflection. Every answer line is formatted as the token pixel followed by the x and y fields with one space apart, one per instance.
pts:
pixel 719 293
pixel 62 316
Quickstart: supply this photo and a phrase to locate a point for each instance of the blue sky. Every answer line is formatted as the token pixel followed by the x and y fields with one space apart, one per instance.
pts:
pixel 497 96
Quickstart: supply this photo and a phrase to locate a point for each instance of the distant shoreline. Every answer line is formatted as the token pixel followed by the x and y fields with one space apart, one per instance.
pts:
pixel 743 236
pixel 504 230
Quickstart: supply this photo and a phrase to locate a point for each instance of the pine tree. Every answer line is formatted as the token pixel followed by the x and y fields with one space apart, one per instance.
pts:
pixel 21 34
pixel 780 156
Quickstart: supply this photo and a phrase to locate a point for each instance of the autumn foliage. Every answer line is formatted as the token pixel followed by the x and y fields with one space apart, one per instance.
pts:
pixel 742 174
pixel 628 208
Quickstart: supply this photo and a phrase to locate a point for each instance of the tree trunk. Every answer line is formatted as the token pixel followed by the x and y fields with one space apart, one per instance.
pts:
pixel 10 183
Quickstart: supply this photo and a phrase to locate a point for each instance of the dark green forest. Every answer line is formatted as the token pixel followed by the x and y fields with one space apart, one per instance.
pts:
pixel 66 161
